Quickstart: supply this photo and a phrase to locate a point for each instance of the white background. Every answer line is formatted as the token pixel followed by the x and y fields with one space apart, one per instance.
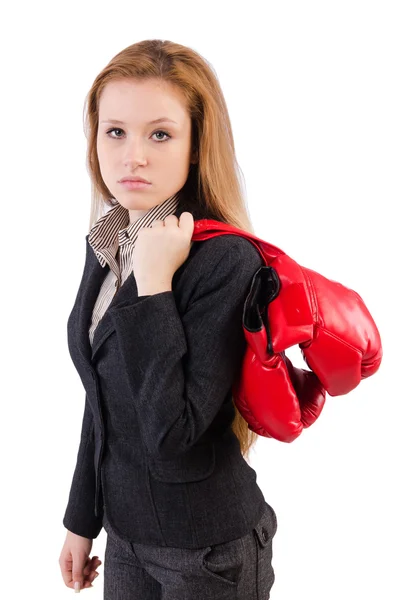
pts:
pixel 311 92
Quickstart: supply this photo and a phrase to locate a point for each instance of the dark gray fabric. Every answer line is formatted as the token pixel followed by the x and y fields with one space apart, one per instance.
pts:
pixel 237 570
pixel 157 448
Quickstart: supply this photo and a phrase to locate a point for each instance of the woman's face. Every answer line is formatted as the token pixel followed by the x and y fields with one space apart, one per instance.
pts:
pixel 159 152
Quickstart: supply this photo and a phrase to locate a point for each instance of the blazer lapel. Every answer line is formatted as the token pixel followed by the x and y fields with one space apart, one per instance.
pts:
pixel 80 318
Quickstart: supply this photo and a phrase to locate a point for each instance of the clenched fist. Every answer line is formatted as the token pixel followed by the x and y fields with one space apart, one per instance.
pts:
pixel 162 248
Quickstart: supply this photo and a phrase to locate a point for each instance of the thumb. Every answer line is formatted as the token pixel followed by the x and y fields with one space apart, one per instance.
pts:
pixel 186 222
pixel 77 571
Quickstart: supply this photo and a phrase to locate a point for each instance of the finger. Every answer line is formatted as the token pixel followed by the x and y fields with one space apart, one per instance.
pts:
pixel 66 570
pixel 67 574
pixel 87 584
pixel 92 573
pixel 88 578
pixel 186 216
pixel 79 563
pixel 87 566
pixel 173 219
pixel 186 222
pixel 92 565
pixel 92 576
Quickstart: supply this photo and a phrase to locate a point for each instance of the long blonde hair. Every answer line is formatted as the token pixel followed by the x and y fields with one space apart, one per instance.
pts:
pixel 213 184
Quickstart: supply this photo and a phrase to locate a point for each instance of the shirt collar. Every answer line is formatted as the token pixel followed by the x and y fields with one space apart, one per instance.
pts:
pixel 114 229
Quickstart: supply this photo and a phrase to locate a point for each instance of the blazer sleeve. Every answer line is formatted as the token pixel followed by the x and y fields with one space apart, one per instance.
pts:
pixel 79 515
pixel 181 367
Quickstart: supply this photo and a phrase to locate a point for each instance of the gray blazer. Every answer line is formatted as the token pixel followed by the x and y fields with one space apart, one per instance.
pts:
pixel 157 452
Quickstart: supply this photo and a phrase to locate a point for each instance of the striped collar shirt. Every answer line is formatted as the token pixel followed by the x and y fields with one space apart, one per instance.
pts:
pixel 113 238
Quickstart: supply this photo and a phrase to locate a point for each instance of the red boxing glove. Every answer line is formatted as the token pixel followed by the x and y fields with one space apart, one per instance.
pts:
pixel 276 399
pixel 334 329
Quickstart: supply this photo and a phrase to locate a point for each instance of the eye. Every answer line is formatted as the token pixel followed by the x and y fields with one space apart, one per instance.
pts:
pixel 113 129
pixel 156 132
pixel 161 131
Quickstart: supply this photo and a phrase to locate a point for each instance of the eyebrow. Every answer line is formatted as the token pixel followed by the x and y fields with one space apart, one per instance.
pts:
pixel 159 120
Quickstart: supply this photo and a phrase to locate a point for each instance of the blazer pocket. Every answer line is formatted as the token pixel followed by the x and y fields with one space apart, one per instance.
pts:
pixel 196 464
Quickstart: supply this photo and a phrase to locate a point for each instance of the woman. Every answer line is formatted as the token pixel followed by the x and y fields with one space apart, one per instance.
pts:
pixel 156 336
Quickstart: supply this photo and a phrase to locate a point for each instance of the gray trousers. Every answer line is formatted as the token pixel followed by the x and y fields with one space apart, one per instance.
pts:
pixel 237 570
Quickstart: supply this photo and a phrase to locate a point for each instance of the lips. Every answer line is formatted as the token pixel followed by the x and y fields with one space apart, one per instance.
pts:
pixel 134 185
pixel 132 179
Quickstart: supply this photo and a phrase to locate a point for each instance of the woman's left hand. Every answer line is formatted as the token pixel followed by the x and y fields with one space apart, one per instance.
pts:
pixel 162 248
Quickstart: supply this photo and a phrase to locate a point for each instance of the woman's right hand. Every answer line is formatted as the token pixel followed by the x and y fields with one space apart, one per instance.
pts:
pixel 75 561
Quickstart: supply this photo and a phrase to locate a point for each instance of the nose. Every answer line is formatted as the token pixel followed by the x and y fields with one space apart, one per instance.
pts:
pixel 134 151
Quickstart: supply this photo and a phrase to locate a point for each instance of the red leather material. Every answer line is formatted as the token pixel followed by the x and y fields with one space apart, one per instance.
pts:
pixel 288 305
pixel 330 322
pixel 277 399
